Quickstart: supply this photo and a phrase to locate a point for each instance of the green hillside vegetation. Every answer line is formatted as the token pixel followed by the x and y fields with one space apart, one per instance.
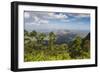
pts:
pixel 36 47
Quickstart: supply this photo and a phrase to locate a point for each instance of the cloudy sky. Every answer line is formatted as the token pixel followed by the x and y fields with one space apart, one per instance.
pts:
pixel 35 20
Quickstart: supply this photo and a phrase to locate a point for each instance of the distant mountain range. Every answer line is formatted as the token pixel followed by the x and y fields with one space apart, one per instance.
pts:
pixel 66 36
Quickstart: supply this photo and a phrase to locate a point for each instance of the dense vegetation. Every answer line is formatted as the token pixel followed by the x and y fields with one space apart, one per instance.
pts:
pixel 43 47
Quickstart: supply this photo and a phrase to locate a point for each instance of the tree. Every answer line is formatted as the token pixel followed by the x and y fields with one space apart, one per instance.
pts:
pixel 86 49
pixel 64 47
pixel 26 38
pixel 86 43
pixel 26 33
pixel 33 34
pixel 86 46
pixel 75 50
pixel 52 39
pixel 41 37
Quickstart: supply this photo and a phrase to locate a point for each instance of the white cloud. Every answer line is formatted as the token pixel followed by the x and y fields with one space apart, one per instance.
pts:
pixel 61 16
pixel 80 15
pixel 43 21
pixel 56 16
pixel 36 18
pixel 49 15
pixel 83 15
pixel 37 21
pixel 66 20
pixel 26 14
pixel 40 19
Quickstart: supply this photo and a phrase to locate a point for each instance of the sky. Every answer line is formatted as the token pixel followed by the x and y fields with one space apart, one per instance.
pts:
pixel 35 20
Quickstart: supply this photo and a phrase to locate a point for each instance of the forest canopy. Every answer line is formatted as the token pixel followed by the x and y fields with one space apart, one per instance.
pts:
pixel 39 46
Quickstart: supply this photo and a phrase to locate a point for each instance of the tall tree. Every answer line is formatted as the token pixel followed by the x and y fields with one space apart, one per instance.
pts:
pixel 86 43
pixel 86 46
pixel 26 37
pixel 26 33
pixel 52 39
pixel 33 34
pixel 41 37
pixel 75 50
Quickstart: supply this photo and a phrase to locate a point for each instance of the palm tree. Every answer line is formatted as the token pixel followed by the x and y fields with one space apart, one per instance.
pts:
pixel 52 38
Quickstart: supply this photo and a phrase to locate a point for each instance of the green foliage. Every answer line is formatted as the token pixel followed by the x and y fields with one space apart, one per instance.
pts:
pixel 26 32
pixel 75 50
pixel 33 33
pixel 44 55
pixel 40 38
pixel 86 45
pixel 36 50
pixel 52 38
